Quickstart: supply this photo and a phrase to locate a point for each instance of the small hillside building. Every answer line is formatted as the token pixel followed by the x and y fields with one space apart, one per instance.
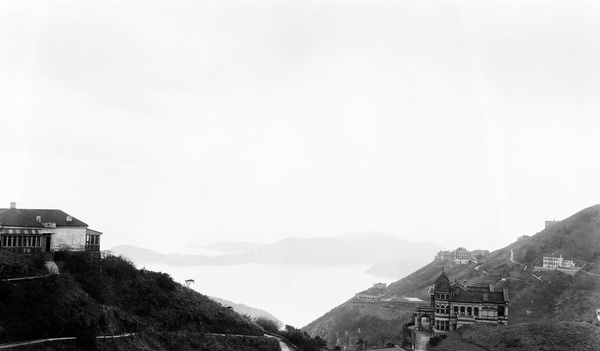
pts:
pixel 557 262
pixel 44 230
pixel 550 223
pixel 445 255
pixel 368 297
pixel 460 255
pixel 454 305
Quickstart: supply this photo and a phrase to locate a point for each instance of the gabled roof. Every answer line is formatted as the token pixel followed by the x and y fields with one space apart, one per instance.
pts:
pixel 48 216
pixel 476 294
pixel 463 293
pixel 10 217
pixel 442 278
pixel 442 283
pixel 92 232
pixel 495 297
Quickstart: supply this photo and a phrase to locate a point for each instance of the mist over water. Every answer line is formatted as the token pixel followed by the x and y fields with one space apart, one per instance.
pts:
pixel 295 294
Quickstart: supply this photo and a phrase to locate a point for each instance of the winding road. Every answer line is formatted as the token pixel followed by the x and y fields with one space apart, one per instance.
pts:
pixel 282 344
pixel 421 339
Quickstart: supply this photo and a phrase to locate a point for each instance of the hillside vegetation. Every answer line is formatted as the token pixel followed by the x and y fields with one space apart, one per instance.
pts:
pixel 559 336
pixel 550 295
pixel 109 296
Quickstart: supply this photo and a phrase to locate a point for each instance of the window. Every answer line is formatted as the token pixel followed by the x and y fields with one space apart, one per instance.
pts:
pixel 23 241
pixel 92 239
pixel 476 312
pixel 468 311
pixel 462 310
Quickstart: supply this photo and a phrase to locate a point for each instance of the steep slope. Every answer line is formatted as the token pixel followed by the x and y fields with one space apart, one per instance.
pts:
pixel 557 336
pixel 247 310
pixel 549 295
pixel 109 296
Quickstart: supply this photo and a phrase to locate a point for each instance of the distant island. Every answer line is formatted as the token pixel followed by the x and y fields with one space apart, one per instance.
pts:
pixel 391 256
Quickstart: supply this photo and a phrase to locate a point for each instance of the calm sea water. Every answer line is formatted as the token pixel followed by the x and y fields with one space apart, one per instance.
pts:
pixel 295 294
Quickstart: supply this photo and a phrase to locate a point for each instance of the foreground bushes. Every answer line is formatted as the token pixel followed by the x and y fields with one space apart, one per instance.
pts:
pixel 108 295
pixel 295 336
pixel 18 265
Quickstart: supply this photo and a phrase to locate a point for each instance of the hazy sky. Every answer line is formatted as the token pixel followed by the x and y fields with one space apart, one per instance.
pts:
pixel 464 123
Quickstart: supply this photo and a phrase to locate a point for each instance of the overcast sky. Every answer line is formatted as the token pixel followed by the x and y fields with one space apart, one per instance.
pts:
pixel 159 123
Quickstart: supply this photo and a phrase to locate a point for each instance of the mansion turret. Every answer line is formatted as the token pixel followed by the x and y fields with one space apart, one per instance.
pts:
pixel 454 305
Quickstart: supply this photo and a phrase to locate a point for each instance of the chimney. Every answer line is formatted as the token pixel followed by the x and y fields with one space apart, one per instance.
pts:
pixel 13 205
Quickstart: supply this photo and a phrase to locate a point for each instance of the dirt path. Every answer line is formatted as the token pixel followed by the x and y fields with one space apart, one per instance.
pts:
pixel 283 346
pixel 422 338
pixel 513 261
pixel 39 341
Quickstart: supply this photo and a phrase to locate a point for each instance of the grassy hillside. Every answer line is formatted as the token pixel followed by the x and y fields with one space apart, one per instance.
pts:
pixel 555 296
pixel 559 336
pixel 377 322
pixel 109 296
pixel 247 310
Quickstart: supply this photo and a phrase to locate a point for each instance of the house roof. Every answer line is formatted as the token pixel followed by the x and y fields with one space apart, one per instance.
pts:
pixel 10 217
pixel 496 297
pixel 22 217
pixel 442 283
pixel 442 278
pixel 470 293
pixel 19 231
pixel 476 294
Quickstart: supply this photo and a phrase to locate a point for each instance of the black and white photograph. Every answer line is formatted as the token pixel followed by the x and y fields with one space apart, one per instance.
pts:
pixel 300 175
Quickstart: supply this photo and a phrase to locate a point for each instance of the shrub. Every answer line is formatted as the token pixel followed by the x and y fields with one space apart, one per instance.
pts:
pixel 267 324
pixel 512 343
pixel 14 265
pixel 435 340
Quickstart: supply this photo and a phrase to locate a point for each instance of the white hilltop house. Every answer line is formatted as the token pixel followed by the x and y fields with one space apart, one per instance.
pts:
pixel 460 255
pixel 41 231
pixel 557 263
